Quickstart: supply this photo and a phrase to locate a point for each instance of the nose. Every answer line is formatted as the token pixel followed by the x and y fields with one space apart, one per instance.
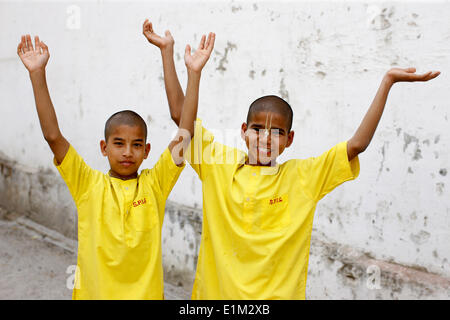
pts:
pixel 264 138
pixel 127 151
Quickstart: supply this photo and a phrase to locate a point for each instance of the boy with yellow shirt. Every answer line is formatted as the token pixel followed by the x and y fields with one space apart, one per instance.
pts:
pixel 257 214
pixel 120 214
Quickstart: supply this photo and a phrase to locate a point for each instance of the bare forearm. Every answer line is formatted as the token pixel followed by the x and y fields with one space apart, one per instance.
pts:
pixel 366 130
pixel 174 92
pixel 47 116
pixel 35 59
pixel 194 64
pixel 44 106
pixel 179 145
pixel 190 105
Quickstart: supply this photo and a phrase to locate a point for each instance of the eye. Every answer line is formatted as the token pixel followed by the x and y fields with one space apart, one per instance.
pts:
pixel 138 145
pixel 118 143
pixel 277 133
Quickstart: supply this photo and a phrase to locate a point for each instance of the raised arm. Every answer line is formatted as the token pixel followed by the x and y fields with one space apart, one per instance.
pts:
pixel 194 64
pixel 175 95
pixel 362 137
pixel 35 59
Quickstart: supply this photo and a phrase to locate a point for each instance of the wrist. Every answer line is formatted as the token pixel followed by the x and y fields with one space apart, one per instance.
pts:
pixel 167 50
pixel 194 73
pixel 37 72
pixel 388 80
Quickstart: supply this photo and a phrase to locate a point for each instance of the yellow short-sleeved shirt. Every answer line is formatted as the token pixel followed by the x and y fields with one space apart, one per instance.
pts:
pixel 257 221
pixel 119 228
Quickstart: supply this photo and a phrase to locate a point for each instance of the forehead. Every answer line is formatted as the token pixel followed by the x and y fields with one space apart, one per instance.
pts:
pixel 274 119
pixel 127 132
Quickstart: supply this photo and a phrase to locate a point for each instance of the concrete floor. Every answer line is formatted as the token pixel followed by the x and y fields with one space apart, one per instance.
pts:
pixel 35 264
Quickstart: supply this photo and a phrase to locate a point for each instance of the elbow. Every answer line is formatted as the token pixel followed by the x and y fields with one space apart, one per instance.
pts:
pixel 356 147
pixel 360 149
pixel 176 119
pixel 52 137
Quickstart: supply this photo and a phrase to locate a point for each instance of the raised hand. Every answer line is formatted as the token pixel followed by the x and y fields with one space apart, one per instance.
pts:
pixel 408 74
pixel 197 61
pixel 153 38
pixel 33 58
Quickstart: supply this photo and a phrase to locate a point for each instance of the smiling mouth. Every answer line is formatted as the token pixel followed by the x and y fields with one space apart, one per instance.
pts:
pixel 264 150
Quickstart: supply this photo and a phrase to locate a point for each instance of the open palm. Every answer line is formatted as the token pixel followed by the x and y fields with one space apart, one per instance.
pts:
pixel 33 58
pixel 408 74
pixel 197 61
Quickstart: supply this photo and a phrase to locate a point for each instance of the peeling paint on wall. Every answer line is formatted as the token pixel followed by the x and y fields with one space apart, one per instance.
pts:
pixel 223 61
pixel 327 60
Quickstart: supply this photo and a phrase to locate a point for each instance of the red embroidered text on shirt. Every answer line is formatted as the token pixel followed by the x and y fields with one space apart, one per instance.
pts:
pixel 139 202
pixel 276 200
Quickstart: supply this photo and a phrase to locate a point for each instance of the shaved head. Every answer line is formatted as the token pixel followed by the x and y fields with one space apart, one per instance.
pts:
pixel 125 117
pixel 271 104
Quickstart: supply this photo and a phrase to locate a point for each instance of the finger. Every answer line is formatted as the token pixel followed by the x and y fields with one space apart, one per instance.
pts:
pixel 434 74
pixel 29 45
pixel 150 27
pixel 21 46
pixel 144 26
pixel 425 75
pixel 23 43
pixel 421 77
pixel 202 43
pixel 147 27
pixel 44 47
pixel 19 49
pixel 187 51
pixel 37 46
pixel 410 70
pixel 210 42
pixel 168 34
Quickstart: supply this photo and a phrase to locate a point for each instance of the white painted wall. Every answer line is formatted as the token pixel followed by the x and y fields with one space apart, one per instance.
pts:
pixel 326 58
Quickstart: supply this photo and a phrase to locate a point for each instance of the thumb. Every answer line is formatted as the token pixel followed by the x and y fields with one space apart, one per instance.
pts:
pixel 44 47
pixel 410 70
pixel 167 33
pixel 187 51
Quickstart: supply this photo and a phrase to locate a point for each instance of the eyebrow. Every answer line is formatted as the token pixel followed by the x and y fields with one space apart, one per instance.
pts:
pixel 121 139
pixel 259 126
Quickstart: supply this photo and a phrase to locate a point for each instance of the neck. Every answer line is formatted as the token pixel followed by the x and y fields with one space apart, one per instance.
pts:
pixel 259 164
pixel 114 174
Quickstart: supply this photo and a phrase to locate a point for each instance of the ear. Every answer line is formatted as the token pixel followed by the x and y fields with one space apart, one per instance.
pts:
pixel 147 150
pixel 103 147
pixel 243 130
pixel 290 138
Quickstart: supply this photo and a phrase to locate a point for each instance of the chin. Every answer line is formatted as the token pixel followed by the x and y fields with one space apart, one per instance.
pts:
pixel 267 162
pixel 125 172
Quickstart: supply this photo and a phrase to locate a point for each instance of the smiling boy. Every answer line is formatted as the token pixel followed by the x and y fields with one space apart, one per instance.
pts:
pixel 258 214
pixel 120 214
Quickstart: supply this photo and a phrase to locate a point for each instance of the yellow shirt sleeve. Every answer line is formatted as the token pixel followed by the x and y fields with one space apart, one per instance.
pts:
pixel 76 173
pixel 165 173
pixel 201 142
pixel 203 152
pixel 329 170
